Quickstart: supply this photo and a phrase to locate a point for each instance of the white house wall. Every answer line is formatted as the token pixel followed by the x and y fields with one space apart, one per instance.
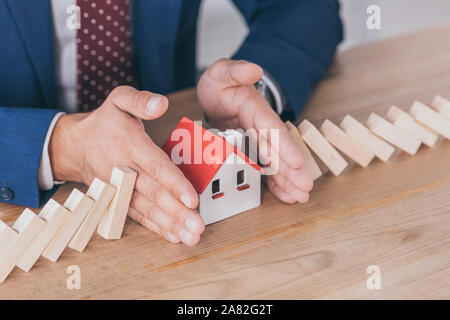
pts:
pixel 233 201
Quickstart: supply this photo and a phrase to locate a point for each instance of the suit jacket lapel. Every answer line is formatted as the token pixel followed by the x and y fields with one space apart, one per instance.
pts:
pixel 34 22
pixel 155 31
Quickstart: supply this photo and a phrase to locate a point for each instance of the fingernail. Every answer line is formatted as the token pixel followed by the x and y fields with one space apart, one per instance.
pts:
pixel 191 225
pixel 172 238
pixel 186 200
pixel 154 103
pixel 185 236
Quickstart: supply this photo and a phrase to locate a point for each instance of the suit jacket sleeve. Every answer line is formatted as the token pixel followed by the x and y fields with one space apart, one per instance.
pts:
pixel 295 40
pixel 22 138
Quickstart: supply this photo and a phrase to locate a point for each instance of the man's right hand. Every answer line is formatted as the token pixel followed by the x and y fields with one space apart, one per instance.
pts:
pixel 89 145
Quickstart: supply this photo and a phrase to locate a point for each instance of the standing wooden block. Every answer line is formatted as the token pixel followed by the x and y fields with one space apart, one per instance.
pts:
pixel 7 238
pixel 79 206
pixel 314 139
pixel 55 215
pixel 442 105
pixel 361 134
pixel 406 122
pixel 28 226
pixel 102 193
pixel 399 138
pixel 346 144
pixel 431 119
pixel 309 164
pixel 112 223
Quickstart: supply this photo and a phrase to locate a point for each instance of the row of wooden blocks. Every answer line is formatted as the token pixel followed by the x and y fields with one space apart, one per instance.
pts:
pixel 406 131
pixel 104 207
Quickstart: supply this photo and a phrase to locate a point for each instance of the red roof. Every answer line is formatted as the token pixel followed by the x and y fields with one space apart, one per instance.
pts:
pixel 200 170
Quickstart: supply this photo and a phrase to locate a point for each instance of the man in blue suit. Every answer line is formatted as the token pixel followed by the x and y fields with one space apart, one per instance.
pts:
pixel 78 77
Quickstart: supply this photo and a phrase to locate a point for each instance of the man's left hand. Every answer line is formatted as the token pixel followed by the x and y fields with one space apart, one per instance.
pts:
pixel 230 100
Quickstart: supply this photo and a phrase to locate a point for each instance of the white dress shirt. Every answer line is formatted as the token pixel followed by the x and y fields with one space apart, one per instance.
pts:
pixel 66 65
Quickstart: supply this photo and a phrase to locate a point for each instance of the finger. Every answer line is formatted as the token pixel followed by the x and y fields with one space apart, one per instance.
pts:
pixel 235 73
pixel 298 177
pixel 279 192
pixel 255 112
pixel 139 218
pixel 155 193
pixel 158 166
pixel 283 142
pixel 290 189
pixel 167 226
pixel 153 213
pixel 141 104
pixel 288 148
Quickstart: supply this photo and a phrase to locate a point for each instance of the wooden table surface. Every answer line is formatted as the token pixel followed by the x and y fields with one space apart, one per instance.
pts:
pixel 394 215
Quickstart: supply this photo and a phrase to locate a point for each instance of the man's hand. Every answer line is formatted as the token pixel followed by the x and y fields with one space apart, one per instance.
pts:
pixel 227 94
pixel 85 146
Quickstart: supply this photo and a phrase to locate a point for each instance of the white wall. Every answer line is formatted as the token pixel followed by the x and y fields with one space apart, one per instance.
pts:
pixel 221 31
pixel 397 17
pixel 221 28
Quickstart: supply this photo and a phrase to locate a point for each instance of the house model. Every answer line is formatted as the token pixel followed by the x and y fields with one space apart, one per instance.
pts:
pixel 228 182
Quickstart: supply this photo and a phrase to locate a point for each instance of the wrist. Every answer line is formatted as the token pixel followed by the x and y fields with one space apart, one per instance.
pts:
pixel 64 152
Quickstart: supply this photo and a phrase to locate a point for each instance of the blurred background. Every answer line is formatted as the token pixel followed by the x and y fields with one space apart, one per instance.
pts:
pixel 222 29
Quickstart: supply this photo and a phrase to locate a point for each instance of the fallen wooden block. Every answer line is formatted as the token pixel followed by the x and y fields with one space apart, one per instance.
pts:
pixel 102 193
pixel 399 138
pixel 361 134
pixel 406 122
pixel 346 144
pixel 309 164
pixel 28 226
pixel 314 139
pixel 79 206
pixel 431 119
pixel 55 216
pixel 442 105
pixel 112 224
pixel 7 238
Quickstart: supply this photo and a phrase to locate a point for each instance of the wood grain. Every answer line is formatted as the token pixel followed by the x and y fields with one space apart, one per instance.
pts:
pixel 395 215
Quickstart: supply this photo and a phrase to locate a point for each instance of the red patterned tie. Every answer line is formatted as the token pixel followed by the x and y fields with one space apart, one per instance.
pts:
pixel 104 59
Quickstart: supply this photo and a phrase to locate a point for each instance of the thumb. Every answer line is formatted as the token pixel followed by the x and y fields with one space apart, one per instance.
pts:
pixel 140 104
pixel 236 72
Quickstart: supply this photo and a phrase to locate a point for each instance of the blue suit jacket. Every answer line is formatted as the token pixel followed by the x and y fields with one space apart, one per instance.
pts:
pixel 294 40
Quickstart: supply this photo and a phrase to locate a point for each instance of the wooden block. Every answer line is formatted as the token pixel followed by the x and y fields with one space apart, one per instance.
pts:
pixel 55 216
pixel 431 119
pixel 406 122
pixel 442 105
pixel 309 164
pixel 399 138
pixel 112 223
pixel 314 139
pixel 78 205
pixel 7 238
pixel 346 144
pixel 102 193
pixel 28 226
pixel 361 134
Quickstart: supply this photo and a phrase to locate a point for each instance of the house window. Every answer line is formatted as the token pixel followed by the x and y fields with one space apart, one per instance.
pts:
pixel 240 177
pixel 240 181
pixel 216 191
